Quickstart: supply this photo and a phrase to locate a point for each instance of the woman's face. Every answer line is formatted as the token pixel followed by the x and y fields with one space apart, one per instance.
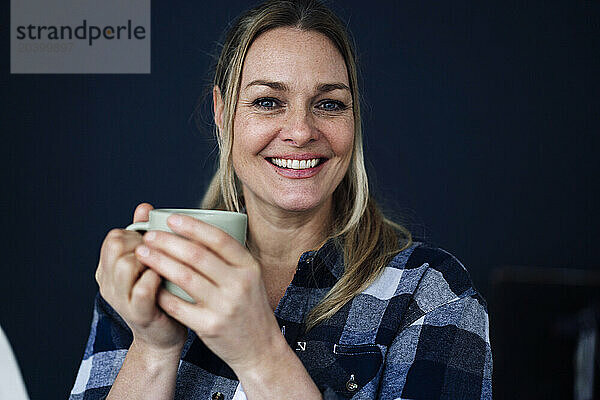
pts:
pixel 294 124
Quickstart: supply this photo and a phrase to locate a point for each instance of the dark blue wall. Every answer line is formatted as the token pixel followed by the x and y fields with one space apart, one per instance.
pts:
pixel 481 123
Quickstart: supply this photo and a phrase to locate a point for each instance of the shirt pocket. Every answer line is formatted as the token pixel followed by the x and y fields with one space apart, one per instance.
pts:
pixel 345 369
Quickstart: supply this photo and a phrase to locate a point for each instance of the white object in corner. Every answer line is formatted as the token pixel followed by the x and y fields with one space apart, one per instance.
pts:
pixel 11 381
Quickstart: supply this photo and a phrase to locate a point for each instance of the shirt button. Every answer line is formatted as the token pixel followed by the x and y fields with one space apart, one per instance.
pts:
pixel 351 385
pixel 217 396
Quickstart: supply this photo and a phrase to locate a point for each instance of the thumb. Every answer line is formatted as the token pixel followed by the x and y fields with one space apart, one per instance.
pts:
pixel 141 212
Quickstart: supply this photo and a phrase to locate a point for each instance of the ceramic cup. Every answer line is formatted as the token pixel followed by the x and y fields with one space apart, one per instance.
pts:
pixel 232 223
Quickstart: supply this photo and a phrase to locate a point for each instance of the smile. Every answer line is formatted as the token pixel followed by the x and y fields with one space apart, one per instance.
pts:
pixel 294 164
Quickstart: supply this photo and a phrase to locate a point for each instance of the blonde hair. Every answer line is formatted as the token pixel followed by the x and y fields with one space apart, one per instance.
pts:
pixel 367 238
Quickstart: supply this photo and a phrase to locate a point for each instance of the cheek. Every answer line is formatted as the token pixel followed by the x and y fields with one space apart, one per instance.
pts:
pixel 342 141
pixel 249 137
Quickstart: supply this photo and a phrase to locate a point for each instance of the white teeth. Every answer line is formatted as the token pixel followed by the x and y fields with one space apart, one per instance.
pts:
pixel 295 164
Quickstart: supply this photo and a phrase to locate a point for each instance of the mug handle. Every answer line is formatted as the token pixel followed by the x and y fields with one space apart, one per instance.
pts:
pixel 138 226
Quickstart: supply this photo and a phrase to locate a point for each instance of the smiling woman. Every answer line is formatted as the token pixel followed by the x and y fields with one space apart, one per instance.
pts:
pixel 292 106
pixel 329 299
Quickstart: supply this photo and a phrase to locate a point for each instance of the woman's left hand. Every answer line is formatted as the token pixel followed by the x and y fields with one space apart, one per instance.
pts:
pixel 231 315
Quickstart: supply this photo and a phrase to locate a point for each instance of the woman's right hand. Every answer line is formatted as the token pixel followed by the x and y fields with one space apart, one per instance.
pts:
pixel 131 289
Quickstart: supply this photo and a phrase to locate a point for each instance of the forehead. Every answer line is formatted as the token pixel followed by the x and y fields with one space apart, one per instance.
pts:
pixel 294 56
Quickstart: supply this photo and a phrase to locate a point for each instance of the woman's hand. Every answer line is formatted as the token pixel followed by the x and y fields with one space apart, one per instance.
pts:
pixel 231 315
pixel 131 289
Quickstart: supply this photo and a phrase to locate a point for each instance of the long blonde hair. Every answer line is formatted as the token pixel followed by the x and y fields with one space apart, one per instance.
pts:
pixel 358 226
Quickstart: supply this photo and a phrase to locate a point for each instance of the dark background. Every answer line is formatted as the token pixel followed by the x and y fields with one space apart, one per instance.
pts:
pixel 481 122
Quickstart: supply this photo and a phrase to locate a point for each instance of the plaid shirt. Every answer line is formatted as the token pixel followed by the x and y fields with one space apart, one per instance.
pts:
pixel 420 331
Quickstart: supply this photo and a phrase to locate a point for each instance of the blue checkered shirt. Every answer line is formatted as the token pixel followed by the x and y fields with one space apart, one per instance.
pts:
pixel 420 331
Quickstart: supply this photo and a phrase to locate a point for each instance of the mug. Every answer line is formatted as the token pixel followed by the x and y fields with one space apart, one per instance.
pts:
pixel 230 222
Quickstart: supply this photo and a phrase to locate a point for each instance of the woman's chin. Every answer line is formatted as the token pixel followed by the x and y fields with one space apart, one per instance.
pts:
pixel 298 205
pixel 285 199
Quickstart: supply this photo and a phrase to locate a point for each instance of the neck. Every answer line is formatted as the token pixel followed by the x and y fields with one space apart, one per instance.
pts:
pixel 277 238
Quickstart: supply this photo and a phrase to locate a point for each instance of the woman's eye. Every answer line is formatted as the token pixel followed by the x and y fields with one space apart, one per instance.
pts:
pixel 332 105
pixel 266 103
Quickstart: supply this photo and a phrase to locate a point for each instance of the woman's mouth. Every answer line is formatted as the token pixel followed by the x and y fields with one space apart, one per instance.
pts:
pixel 297 169
pixel 295 164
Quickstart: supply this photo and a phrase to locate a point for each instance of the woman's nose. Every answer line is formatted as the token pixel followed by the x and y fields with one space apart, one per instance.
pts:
pixel 300 128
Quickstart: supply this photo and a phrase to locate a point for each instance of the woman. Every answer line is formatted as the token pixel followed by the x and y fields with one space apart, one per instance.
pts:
pixel 329 299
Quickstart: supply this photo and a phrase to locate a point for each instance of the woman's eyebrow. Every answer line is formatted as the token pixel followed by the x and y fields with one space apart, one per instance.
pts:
pixel 282 87
pixel 328 87
pixel 273 85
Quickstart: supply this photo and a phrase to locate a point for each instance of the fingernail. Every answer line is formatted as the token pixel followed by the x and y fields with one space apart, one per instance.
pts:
pixel 143 251
pixel 150 235
pixel 175 220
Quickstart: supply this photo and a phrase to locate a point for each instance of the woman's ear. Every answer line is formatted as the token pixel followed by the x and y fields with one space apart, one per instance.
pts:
pixel 218 106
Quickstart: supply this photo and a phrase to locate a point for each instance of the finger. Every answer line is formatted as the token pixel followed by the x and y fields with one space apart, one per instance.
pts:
pixel 195 255
pixel 143 294
pixel 212 237
pixel 117 243
pixel 126 272
pixel 195 284
pixel 188 314
pixel 141 212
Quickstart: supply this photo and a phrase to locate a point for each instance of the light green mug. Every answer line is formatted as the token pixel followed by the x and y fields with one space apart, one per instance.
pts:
pixel 232 223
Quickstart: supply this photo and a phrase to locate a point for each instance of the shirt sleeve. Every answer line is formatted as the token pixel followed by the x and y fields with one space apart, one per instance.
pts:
pixel 106 348
pixel 444 354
